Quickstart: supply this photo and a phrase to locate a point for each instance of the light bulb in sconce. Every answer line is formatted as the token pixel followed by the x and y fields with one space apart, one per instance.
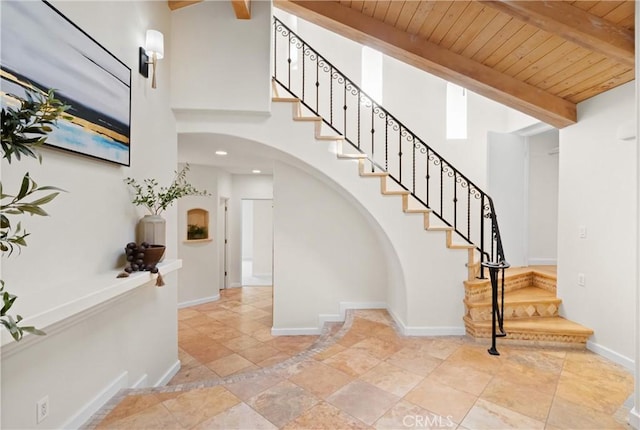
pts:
pixel 151 53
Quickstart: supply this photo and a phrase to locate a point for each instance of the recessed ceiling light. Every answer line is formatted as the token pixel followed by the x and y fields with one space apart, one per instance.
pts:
pixel 256 171
pixel 221 152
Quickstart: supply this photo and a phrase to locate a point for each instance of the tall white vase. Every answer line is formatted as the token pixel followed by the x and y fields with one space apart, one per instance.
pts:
pixel 152 229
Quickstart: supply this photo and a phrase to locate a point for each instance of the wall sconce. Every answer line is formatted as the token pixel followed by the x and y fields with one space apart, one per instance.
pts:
pixel 154 50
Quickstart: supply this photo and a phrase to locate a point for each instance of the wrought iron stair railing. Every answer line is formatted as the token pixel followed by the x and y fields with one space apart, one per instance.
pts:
pixel 389 146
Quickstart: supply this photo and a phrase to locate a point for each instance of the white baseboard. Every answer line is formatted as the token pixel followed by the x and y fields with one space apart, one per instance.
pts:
pixel 543 262
pixel 634 417
pixel 94 405
pixel 426 331
pixel 143 382
pixel 360 305
pixel 170 373
pixel 294 331
pixel 235 285
pixel 199 301
pixel 607 353
pixel 263 274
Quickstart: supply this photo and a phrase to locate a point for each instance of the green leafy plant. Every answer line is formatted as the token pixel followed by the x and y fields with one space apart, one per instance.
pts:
pixel 195 231
pixel 157 200
pixel 24 130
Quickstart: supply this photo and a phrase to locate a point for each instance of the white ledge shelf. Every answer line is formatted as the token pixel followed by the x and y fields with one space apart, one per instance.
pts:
pixel 52 308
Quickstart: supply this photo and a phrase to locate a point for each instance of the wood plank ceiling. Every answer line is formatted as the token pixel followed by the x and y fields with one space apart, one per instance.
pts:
pixel 539 57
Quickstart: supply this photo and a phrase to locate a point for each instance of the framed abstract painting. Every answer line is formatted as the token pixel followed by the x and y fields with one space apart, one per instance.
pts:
pixel 41 49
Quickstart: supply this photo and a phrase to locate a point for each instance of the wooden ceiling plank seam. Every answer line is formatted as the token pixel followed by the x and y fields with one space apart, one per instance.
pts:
pixel 556 56
pixel 550 72
pixel 346 3
pixel 585 5
pixel 436 60
pixel 420 17
pixel 629 23
pixel 476 27
pixel 369 7
pixel 495 26
pixel 501 45
pixel 381 10
pixel 611 83
pixel 408 10
pixel 465 18
pixel 523 49
pixel 435 18
pixel 583 28
pixel 393 13
pixel 357 5
pixel 575 79
pixel 587 61
pixel 601 8
pixel 242 8
pixel 535 55
pixel 622 13
pixel 592 77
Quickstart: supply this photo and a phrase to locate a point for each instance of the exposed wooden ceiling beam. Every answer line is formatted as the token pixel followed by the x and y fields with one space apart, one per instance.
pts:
pixel 177 4
pixel 571 23
pixel 242 8
pixel 435 60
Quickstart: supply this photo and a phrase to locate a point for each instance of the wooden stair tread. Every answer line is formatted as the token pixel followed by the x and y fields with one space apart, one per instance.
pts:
pixel 307 118
pixel 417 211
pixel 374 174
pixel 439 228
pixel 352 156
pixel 522 295
pixel 513 272
pixel 284 99
pixel 550 325
pixel 396 193
pixel 461 246
pixel 329 137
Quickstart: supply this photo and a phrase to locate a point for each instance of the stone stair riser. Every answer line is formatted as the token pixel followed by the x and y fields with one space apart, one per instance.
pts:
pixel 521 310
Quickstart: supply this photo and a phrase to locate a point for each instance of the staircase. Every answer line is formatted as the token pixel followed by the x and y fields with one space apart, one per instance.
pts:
pixel 530 310
pixel 429 186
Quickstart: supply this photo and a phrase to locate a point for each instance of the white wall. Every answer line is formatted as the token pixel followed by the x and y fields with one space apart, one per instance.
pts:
pixel 199 277
pixel 228 76
pixel 325 252
pixel 262 237
pixel 543 198
pixel 243 187
pixel 597 173
pixel 84 238
pixel 247 229
pixel 507 173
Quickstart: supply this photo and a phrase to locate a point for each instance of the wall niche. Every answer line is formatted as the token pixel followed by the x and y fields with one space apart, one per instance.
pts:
pixel 198 225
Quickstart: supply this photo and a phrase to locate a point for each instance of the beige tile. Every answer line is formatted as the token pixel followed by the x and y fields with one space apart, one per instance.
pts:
pixel 263 334
pixel 195 406
pixel 522 399
pixel 274 359
pixel 229 365
pixel 594 393
pixel 363 401
pixel 282 403
pixel 531 377
pixel 351 338
pixel 462 378
pixel 130 405
pixel 568 415
pixel 156 417
pixel 205 350
pixel 406 415
pixel 330 351
pixel 184 314
pixel 197 320
pixel 377 348
pixel 251 387
pixel 249 327
pixel 414 360
pixel 353 362
pixel 187 361
pixel 488 416
pixel 241 342
pixel 240 417
pixel 226 333
pixel 441 348
pixel 193 374
pixel 320 379
pixel 259 353
pixel 547 361
pixel 441 399
pixel 476 356
pixel 392 379
pixel 325 416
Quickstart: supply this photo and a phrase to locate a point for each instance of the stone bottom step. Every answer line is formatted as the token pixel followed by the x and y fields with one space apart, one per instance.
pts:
pixel 550 331
pixel 528 302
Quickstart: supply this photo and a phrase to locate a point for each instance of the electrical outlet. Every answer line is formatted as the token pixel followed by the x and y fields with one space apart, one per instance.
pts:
pixel 42 409
pixel 581 279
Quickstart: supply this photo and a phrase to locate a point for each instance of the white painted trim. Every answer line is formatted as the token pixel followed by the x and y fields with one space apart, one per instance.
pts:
pixel 609 354
pixel 94 405
pixel 199 301
pixel 294 331
pixel 634 418
pixel 543 262
pixel 235 285
pixel 324 318
pixel 170 373
pixel 143 382
pixel 426 331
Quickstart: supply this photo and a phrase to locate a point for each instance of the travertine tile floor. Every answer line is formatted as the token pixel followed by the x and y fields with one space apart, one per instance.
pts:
pixel 363 375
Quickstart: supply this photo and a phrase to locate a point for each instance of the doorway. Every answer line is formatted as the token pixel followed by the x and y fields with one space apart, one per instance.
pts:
pixel 257 242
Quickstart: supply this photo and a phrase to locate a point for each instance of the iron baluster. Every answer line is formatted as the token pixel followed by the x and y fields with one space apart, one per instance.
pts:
pixel 359 119
pixel 275 48
pixel 455 200
pixel 427 177
pixel 344 125
pixel 331 96
pixel 469 212
pixel 413 179
pixel 386 142
pixel 482 221
pixel 441 188
pixel 400 154
pixel 289 59
pixel 373 130
pixel 303 70
pixel 317 83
